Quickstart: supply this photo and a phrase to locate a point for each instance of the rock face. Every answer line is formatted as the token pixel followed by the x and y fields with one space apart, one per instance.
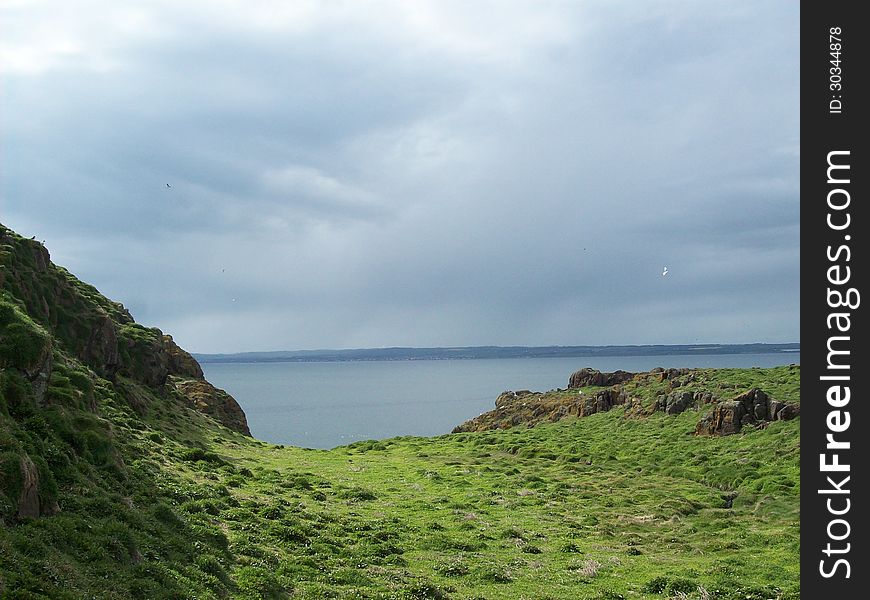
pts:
pixel 28 500
pixel 680 400
pixel 752 407
pixel 213 401
pixel 180 362
pixel 152 356
pixel 101 350
pixel 593 377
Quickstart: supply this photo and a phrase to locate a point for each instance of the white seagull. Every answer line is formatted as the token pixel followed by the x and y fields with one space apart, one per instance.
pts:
pixel 664 271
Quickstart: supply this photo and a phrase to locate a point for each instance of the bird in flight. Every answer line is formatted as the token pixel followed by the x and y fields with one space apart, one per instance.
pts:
pixel 664 271
pixel 168 186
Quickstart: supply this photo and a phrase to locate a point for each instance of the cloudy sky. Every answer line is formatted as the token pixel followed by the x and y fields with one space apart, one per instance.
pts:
pixel 423 173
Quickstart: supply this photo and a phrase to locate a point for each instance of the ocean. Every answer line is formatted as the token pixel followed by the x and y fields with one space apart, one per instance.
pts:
pixel 328 404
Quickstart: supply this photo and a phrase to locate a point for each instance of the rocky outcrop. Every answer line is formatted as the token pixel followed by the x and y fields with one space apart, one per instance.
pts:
pixel 678 401
pixel 150 357
pixel 41 376
pixel 212 401
pixel 754 407
pixel 592 377
pixel 684 389
pixel 31 503
pixel 671 375
pixel 144 360
pixel 601 401
pixel 28 499
pixel 530 408
pixel 180 362
pixel 101 350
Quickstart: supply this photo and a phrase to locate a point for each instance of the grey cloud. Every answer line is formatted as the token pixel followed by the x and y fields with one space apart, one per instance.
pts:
pixel 420 174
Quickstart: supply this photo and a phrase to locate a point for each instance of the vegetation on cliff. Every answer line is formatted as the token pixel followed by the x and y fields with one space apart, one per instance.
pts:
pixel 123 474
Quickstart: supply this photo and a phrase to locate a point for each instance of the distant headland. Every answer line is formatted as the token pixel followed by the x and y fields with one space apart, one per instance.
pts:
pixel 482 352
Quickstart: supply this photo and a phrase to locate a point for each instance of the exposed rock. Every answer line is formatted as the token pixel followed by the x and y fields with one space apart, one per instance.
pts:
pixel 28 500
pixel 153 356
pixel 180 362
pixel 725 419
pixel 39 380
pixel 593 377
pixel 789 411
pixel 145 360
pixel 773 408
pixel 669 374
pixel 38 372
pixel 101 349
pixel 752 407
pixel 212 401
pixel 41 257
pixel 531 408
pixel 678 401
pixel 602 401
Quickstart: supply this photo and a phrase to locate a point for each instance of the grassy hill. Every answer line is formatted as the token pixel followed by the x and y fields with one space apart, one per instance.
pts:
pixel 123 474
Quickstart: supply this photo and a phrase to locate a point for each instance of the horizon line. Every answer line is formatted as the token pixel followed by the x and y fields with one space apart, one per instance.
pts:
pixel 699 345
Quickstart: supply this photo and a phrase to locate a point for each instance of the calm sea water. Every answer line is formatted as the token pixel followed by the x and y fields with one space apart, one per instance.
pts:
pixel 327 404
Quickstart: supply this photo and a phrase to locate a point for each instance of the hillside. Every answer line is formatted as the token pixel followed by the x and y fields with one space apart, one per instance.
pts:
pixel 124 474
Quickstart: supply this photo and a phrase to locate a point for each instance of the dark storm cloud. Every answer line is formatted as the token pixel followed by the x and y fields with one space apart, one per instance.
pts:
pixel 422 173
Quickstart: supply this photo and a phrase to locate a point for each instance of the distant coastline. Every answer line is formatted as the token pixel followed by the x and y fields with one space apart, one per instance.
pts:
pixel 485 352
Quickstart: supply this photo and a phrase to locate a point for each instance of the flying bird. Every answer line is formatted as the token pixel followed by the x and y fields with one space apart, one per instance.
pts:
pixel 168 185
pixel 664 271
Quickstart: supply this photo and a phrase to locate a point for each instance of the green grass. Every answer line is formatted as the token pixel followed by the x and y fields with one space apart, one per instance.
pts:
pixel 142 496
pixel 604 506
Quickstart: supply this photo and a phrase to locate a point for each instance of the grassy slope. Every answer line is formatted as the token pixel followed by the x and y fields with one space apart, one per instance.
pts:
pixel 160 501
pixel 596 507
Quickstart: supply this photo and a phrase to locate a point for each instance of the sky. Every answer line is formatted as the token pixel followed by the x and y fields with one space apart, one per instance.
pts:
pixel 413 173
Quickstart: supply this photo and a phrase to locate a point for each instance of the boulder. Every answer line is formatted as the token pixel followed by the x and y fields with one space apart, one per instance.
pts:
pixel 677 402
pixel 773 408
pixel 593 377
pixel 725 419
pixel 789 411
